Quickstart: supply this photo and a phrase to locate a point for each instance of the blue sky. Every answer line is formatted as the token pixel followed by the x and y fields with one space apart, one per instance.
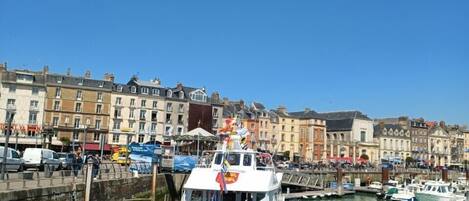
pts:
pixel 385 58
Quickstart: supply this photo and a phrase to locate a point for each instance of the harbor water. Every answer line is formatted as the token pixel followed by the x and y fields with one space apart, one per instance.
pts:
pixel 356 197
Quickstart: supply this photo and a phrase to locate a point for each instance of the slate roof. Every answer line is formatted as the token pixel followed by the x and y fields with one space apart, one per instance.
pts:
pixel 234 109
pixel 258 106
pixel 378 130
pixel 339 125
pixel 306 115
pixel 344 115
pixel 58 79
pixel 10 77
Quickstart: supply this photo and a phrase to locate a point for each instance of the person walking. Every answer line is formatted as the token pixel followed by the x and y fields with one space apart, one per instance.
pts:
pixel 77 164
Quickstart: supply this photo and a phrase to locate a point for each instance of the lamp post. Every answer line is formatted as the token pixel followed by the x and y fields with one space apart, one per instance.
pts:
pixel 85 128
pixel 11 115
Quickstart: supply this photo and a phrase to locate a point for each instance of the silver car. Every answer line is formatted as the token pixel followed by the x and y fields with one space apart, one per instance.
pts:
pixel 14 161
pixel 66 159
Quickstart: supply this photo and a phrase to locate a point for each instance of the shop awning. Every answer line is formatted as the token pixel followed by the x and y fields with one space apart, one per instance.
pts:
pixel 95 147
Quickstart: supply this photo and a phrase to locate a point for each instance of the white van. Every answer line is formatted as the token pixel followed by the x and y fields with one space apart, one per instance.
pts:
pixel 14 161
pixel 39 158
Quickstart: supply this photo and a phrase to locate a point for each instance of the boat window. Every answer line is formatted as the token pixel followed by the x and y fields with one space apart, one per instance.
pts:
pixel 247 160
pixel 233 159
pixel 218 159
pixel 428 188
pixel 196 196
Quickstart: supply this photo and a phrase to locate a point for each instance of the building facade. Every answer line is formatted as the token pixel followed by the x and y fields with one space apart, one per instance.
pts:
pixel 394 141
pixel 466 146
pixel 23 93
pixel 456 134
pixel 350 134
pixel 439 146
pixel 138 108
pixel 77 108
pixel 419 139
pixel 312 135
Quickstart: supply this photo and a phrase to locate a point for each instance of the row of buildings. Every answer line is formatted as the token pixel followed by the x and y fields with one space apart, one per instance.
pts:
pixel 66 110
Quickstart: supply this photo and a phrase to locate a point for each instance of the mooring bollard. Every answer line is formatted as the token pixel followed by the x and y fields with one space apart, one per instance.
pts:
pixel 88 180
pixel 154 182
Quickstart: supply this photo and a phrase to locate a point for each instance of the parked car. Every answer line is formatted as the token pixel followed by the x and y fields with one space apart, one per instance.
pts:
pixel 66 159
pixel 282 165
pixel 40 158
pixel 14 161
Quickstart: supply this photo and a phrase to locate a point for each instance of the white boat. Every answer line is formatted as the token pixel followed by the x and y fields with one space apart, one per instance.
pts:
pixel 376 185
pixel 234 174
pixel 437 191
pixel 407 193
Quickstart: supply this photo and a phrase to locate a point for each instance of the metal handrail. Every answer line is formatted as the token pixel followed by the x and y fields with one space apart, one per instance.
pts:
pixel 35 179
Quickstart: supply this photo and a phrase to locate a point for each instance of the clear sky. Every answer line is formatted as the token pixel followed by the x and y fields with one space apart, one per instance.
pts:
pixel 385 58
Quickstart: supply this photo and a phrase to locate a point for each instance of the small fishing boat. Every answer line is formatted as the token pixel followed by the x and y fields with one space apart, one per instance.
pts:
pixel 407 193
pixel 438 191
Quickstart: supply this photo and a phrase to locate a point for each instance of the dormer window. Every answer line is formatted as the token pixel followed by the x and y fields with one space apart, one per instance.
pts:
pixel 155 92
pixel 169 93
pixel 60 80
pixel 101 84
pixel 199 96
pixel 119 88
pixel 144 90
pixel 181 95
pixel 80 82
pixel 133 89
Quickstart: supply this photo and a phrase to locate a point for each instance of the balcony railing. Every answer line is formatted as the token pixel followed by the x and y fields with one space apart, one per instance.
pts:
pixel 11 107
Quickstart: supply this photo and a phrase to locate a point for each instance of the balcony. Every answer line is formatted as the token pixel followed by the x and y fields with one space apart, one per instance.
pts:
pixel 180 122
pixel 11 107
pixel 169 122
pixel 154 119
pixel 117 116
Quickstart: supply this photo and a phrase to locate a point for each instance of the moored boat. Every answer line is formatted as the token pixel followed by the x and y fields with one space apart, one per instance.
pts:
pixel 437 191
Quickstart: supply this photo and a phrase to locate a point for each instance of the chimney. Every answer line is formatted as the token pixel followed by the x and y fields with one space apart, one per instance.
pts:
pixel 3 67
pixel 403 122
pixel 88 74
pixel 179 86
pixel 45 70
pixel 282 109
pixel 442 124
pixel 381 125
pixel 241 103
pixel 226 101
pixel 215 97
pixel 109 77
pixel 156 81
pixel 69 72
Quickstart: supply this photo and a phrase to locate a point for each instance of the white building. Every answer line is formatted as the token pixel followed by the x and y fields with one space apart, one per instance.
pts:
pixel 147 110
pixel 24 93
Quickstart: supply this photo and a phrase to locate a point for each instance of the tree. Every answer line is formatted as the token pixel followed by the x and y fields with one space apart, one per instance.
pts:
pixel 65 141
pixel 409 160
pixel 365 157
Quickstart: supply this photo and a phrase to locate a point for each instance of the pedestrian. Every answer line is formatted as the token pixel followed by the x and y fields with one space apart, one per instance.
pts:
pixel 96 163
pixel 77 164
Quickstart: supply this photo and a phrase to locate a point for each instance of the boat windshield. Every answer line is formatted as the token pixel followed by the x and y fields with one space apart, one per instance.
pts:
pixel 442 189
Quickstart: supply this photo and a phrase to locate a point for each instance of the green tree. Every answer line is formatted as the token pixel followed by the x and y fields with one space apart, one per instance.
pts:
pixel 65 141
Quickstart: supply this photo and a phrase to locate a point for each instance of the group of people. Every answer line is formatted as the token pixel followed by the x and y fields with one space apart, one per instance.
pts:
pixel 78 163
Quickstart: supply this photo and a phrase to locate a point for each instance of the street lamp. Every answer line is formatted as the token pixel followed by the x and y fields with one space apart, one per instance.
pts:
pixel 85 127
pixel 11 115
